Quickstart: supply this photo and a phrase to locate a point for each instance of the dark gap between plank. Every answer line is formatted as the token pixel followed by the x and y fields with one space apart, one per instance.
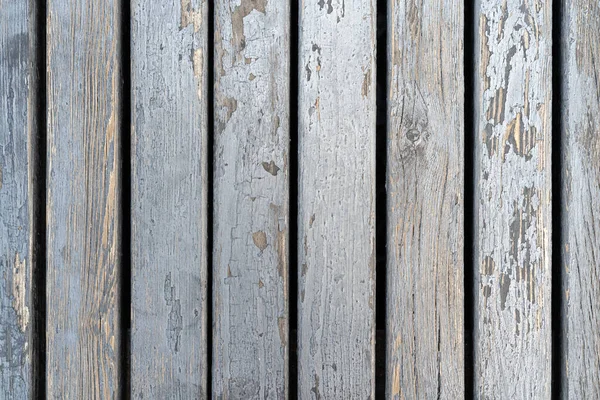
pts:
pixel 125 153
pixel 210 196
pixel 469 184
pixel 557 289
pixel 293 204
pixel 381 200
pixel 38 225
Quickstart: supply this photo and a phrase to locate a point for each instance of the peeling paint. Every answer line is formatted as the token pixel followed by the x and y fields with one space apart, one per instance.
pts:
pixel 366 85
pixel 237 20
pixel 488 266
pixel 282 325
pixel 199 75
pixel 19 291
pixel 190 16
pixel 175 321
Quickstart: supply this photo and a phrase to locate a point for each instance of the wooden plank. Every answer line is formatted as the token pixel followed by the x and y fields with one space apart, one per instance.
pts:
pixel 425 201
pixel 513 106
pixel 251 180
pixel 169 199
pixel 336 233
pixel 18 130
pixel 580 49
pixel 83 192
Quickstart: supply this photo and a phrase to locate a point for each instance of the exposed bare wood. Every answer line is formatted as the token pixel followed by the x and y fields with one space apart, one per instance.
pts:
pixel 83 198
pixel 425 201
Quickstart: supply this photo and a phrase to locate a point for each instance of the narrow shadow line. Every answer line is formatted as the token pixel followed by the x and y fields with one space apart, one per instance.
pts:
pixel 210 92
pixel 125 152
pixel 557 256
pixel 381 200
pixel 469 184
pixel 293 202
pixel 38 225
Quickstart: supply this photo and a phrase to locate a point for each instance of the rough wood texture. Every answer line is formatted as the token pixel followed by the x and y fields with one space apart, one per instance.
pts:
pixel 251 179
pixel 336 235
pixel 581 198
pixel 425 201
pixel 84 135
pixel 18 128
pixel 169 208
pixel 513 199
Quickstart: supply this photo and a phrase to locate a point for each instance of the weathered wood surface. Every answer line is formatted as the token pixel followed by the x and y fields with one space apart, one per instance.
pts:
pixel 425 201
pixel 18 130
pixel 580 49
pixel 83 192
pixel 513 105
pixel 336 235
pixel 251 179
pixel 169 199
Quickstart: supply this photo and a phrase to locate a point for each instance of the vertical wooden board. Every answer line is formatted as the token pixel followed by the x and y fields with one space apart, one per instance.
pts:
pixel 251 179
pixel 425 200
pixel 336 235
pixel 513 105
pixel 83 191
pixel 169 208
pixel 18 91
pixel 580 81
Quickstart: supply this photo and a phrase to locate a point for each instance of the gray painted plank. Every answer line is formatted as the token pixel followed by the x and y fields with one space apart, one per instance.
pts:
pixel 169 209
pixel 18 92
pixel 425 201
pixel 581 199
pixel 336 238
pixel 83 191
pixel 251 179
pixel 513 105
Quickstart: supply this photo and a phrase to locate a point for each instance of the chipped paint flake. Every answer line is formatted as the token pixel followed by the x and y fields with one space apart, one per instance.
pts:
pixel 260 240
pixel 270 167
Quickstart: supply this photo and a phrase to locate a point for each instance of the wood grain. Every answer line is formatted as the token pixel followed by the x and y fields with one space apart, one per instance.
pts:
pixel 83 192
pixel 425 200
pixel 336 204
pixel 18 131
pixel 169 199
pixel 580 245
pixel 251 180
pixel 513 105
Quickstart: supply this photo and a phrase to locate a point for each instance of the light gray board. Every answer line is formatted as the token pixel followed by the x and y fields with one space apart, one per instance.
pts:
pixel 425 200
pixel 580 245
pixel 18 130
pixel 251 179
pixel 512 261
pixel 336 204
pixel 83 192
pixel 169 199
